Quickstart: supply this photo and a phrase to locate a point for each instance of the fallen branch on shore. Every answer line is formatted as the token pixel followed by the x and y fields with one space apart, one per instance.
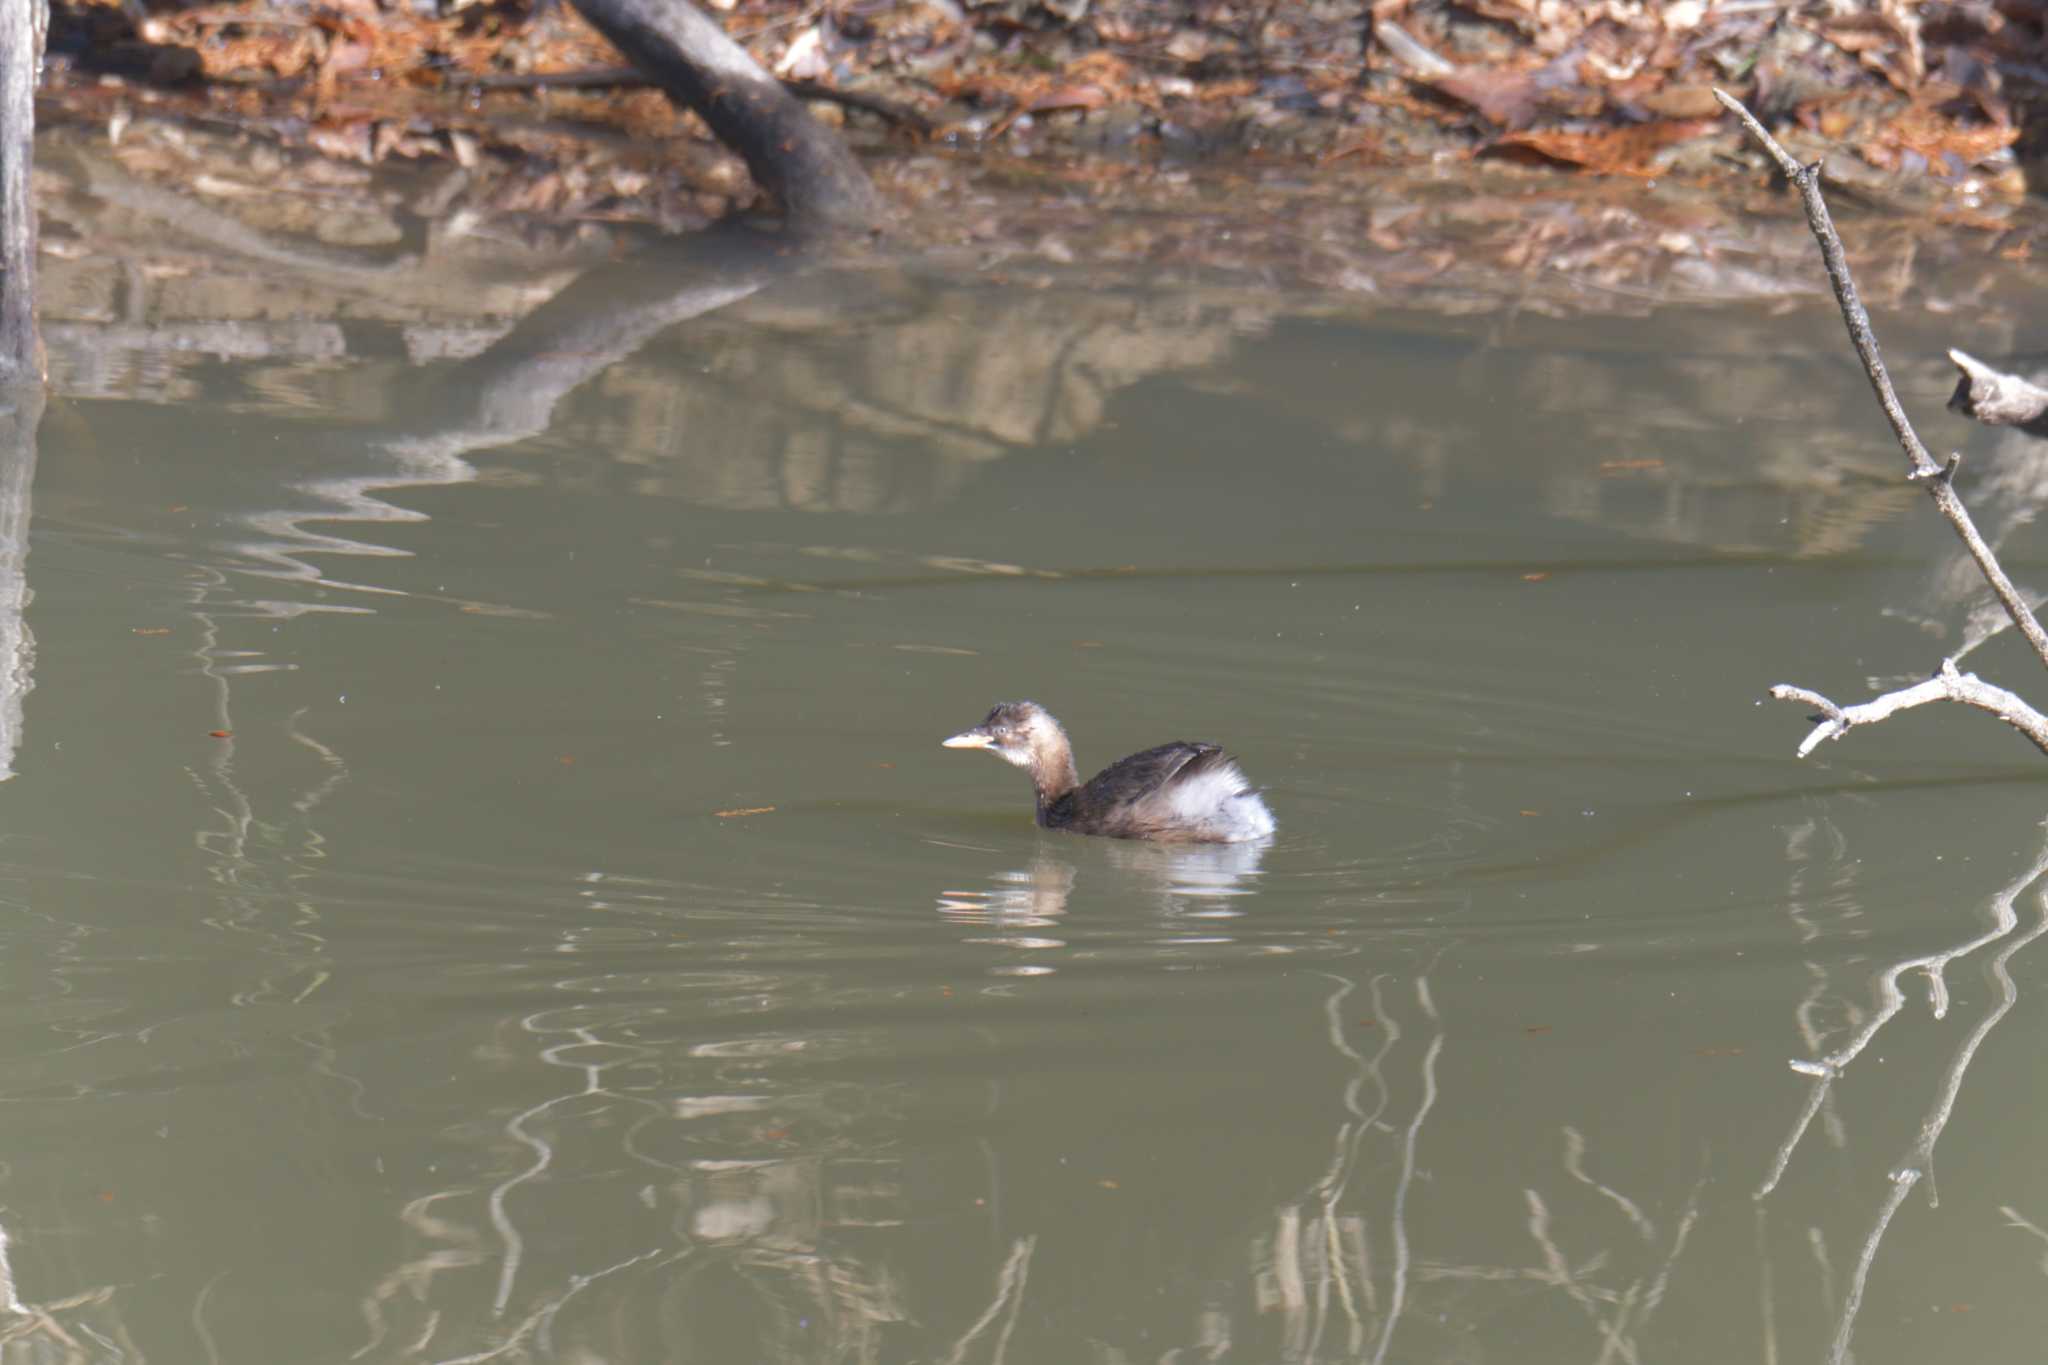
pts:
pixel 805 165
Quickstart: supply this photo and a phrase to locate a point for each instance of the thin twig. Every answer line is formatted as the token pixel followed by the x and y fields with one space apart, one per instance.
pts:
pixel 1936 478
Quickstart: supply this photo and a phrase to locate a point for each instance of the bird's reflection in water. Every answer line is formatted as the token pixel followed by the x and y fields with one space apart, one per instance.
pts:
pixel 1186 881
pixel 1030 898
pixel 1197 881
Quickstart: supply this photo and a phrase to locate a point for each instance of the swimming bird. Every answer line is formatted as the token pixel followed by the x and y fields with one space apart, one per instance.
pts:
pixel 1186 791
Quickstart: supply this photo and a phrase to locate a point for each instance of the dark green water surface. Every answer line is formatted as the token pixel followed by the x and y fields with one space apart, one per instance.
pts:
pixel 491 889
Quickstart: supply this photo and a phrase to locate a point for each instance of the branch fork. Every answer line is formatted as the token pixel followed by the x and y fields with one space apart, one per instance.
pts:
pixel 1950 684
pixel 1947 473
pixel 1938 479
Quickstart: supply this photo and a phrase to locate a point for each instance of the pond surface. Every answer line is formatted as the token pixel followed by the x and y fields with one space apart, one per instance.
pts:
pixel 481 881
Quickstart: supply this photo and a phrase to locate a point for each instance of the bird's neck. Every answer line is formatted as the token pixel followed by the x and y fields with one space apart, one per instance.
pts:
pixel 1052 769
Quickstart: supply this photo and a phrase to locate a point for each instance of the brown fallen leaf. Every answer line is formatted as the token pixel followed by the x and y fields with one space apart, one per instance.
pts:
pixel 1609 151
pixel 1935 137
pixel 1068 97
pixel 1683 101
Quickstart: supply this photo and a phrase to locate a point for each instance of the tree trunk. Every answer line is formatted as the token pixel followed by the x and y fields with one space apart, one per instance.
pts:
pixel 22 25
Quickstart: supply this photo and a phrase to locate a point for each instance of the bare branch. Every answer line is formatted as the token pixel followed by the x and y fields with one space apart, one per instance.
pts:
pixel 1947 685
pixel 1806 179
pixel 1923 468
pixel 819 184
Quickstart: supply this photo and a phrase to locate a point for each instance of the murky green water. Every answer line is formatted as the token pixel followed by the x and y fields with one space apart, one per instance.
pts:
pixel 481 881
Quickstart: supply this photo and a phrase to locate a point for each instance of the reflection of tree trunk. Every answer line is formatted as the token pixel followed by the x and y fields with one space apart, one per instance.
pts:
pixel 22 23
pixel 792 156
pixel 509 392
pixel 107 180
pixel 21 408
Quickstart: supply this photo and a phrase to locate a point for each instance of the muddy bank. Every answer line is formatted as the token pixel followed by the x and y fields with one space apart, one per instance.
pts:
pixel 1926 108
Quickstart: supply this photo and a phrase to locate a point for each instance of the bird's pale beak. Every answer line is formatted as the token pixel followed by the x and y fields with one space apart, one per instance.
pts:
pixel 977 738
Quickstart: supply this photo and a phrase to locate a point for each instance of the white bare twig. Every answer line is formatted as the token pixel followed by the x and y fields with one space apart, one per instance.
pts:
pixel 1937 478
pixel 1947 685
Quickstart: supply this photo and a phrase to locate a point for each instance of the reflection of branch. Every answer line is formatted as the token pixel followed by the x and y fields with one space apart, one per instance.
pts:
pixel 2013 1219
pixel 1686 1222
pixel 581 1039
pixel 1800 910
pixel 1824 1265
pixel 1937 479
pixel 1825 1070
pixel 1575 1167
pixel 416 1277
pixel 1398 1291
pixel 536 1324
pixel 1558 1272
pixel 1009 1290
pixel 1919 1160
pixel 38 1320
pixel 1339 1262
pixel 1320 1275
pixel 1332 1247
pixel 1633 1306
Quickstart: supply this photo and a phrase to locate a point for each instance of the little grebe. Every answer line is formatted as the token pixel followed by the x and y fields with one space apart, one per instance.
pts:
pixel 1183 790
